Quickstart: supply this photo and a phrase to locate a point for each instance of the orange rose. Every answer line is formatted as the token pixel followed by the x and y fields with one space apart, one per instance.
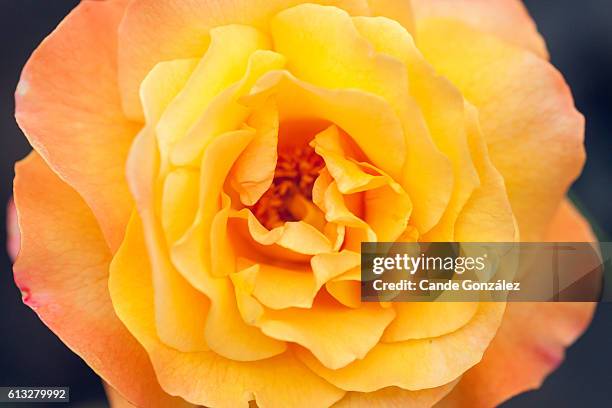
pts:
pixel 204 172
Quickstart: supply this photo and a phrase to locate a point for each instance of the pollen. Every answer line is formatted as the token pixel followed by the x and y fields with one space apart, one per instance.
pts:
pixel 289 198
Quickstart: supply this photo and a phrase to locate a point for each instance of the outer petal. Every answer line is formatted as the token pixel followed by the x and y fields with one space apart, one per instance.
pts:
pixel 534 133
pixel 532 338
pixel 67 103
pixel 62 272
pixel 154 31
pixel 507 19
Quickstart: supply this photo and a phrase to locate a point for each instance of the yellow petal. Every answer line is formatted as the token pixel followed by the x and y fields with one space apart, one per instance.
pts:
pixel 323 47
pixel 395 397
pixel 179 202
pixel 162 84
pixel 220 67
pixel 336 335
pixel 443 109
pixel 224 330
pixel 298 236
pixel 421 320
pixel 349 177
pixel 347 292
pixel 224 113
pixel 358 113
pixel 278 287
pixel 179 195
pixel 180 310
pixel 151 32
pixel 336 211
pixel 213 379
pixel 216 164
pixel 417 364
pixel 253 172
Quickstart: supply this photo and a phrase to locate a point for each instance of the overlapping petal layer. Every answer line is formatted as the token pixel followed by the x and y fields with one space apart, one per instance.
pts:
pixel 274 138
pixel 68 105
pixel 62 272
pixel 532 338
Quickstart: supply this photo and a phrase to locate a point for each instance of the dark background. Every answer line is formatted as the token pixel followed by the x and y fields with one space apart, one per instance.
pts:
pixel 579 37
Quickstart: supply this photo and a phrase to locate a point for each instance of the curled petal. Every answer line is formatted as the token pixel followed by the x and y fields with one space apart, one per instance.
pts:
pixel 329 58
pixel 220 67
pixel 253 172
pixel 154 31
pixel 213 379
pixel 443 109
pixel 296 286
pixel 180 309
pixel 417 364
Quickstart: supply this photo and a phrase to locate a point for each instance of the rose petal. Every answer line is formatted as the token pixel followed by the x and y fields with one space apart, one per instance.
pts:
pixel 323 47
pixel 220 67
pixel 487 216
pixel 253 172
pixel 533 132
pixel 225 113
pixel 443 109
pixel 532 338
pixel 206 378
pixel 278 287
pixel 62 272
pixel 67 104
pixel 349 177
pixel 298 237
pixel 346 108
pixel 421 320
pixel 180 309
pixel 394 397
pixel 154 31
pixel 224 330
pixel 507 19
pixel 336 335
pixel 417 364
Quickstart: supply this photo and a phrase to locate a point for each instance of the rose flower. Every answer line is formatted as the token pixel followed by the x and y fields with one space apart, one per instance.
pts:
pixel 204 172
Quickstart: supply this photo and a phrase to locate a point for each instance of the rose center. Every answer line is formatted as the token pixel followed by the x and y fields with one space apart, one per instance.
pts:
pixel 289 198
